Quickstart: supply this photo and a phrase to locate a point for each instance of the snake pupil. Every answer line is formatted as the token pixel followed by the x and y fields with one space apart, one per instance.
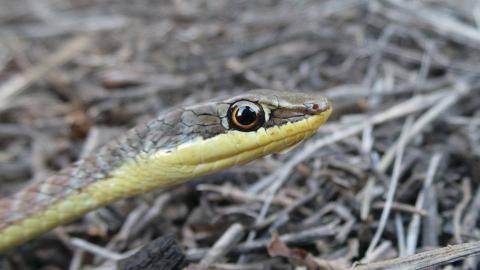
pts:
pixel 245 115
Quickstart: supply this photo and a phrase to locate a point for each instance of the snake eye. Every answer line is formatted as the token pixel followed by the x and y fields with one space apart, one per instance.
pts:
pixel 245 115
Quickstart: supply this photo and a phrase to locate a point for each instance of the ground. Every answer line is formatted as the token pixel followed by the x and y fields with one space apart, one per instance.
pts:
pixel 395 171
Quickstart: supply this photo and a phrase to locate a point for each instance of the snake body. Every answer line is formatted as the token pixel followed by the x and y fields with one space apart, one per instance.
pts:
pixel 175 147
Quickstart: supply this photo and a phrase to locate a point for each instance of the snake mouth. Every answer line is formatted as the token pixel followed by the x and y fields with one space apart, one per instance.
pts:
pixel 289 134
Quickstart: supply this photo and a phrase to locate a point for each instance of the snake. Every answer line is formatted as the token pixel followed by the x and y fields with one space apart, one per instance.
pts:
pixel 176 146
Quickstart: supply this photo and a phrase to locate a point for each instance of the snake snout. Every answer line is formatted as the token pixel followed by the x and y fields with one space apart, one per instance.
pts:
pixel 317 106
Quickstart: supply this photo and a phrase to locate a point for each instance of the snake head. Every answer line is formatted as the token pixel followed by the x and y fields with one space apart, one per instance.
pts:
pixel 211 136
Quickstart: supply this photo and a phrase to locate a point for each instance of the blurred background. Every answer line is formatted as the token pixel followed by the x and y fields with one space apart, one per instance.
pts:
pixel 395 172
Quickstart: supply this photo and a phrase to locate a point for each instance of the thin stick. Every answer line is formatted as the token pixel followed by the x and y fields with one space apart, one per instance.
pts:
pixel 223 245
pixel 446 102
pixel 400 235
pixel 16 85
pixel 391 189
pixel 426 259
pixel 97 250
pixel 414 226
pixel 444 25
pixel 460 209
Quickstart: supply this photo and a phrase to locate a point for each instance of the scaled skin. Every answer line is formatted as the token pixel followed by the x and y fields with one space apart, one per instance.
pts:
pixel 176 147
